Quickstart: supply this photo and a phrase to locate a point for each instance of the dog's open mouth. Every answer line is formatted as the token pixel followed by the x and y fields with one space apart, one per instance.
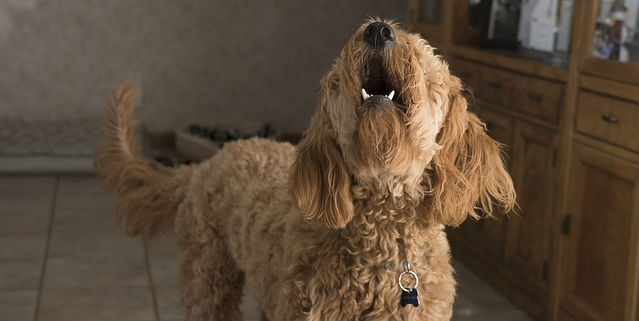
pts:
pixel 376 82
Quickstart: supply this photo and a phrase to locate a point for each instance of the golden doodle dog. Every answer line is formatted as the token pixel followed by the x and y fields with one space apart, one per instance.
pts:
pixel 348 224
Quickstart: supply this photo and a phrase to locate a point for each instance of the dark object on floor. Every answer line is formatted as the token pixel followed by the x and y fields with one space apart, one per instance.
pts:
pixel 165 161
pixel 221 136
pixel 199 142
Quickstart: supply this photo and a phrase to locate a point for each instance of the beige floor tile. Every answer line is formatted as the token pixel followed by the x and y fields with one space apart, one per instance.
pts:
pixel 82 192
pixel 22 245
pixel 165 270
pixel 163 245
pixel 89 272
pixel 20 274
pixel 18 220
pixel 18 305
pixel 482 293
pixel 104 303
pixel 85 219
pixel 83 199
pixel 26 192
pixel 249 306
pixel 164 259
pixel 94 244
pixel 465 308
pixel 16 200
pixel 477 300
pixel 74 183
pixel 168 302
pixel 169 307
pixel 25 183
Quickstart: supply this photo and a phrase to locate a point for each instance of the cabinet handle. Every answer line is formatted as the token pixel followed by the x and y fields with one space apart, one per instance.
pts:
pixel 609 119
pixel 494 84
pixel 565 224
pixel 534 96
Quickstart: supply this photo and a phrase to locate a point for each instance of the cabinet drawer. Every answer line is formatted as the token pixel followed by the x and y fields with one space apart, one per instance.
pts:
pixel 468 72
pixel 496 86
pixel 537 98
pixel 609 119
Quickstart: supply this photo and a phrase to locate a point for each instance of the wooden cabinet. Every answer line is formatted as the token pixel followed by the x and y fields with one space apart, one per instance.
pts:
pixel 490 234
pixel 427 17
pixel 529 248
pixel 571 127
pixel 538 98
pixel 468 71
pixel 606 68
pixel 496 86
pixel 599 271
pixel 609 119
pixel 517 245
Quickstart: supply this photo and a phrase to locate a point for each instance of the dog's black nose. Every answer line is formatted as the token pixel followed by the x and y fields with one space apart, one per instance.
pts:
pixel 378 34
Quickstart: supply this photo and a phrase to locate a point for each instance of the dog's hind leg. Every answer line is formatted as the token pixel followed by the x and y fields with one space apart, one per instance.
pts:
pixel 211 282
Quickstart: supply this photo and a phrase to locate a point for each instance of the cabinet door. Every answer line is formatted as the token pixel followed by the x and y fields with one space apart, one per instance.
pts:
pixel 529 233
pixel 490 233
pixel 600 259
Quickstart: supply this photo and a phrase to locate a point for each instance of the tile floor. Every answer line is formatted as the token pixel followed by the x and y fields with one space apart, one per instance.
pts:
pixel 62 257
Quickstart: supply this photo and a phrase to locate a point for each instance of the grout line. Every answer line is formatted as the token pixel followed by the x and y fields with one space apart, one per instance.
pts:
pixel 147 262
pixel 46 247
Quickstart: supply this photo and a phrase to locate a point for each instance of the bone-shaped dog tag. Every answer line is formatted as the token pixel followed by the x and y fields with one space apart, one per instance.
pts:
pixel 409 294
pixel 409 298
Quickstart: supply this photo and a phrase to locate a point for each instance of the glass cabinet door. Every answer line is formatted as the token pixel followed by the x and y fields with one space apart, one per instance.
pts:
pixel 615 30
pixel 612 47
pixel 429 12
pixel 427 17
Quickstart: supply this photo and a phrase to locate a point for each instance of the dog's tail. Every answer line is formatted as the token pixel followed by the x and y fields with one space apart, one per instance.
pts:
pixel 149 192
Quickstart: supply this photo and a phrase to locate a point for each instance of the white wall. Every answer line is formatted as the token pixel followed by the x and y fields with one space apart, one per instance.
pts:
pixel 197 60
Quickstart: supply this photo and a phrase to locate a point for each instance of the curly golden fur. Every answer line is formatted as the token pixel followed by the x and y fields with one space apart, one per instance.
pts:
pixel 318 230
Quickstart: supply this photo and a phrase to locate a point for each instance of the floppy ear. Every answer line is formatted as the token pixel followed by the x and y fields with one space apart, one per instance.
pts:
pixel 320 181
pixel 468 172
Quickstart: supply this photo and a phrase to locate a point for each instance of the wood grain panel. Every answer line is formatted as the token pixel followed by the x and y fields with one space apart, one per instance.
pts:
pixel 529 244
pixel 490 233
pixel 496 86
pixel 601 259
pixel 537 98
pixel 612 120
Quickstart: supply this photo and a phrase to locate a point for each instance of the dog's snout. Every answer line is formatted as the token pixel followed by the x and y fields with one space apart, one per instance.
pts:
pixel 378 34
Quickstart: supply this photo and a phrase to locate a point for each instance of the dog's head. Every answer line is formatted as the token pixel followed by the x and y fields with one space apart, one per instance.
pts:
pixel 392 121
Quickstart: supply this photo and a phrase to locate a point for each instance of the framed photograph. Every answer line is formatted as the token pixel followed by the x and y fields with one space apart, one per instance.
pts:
pixel 500 23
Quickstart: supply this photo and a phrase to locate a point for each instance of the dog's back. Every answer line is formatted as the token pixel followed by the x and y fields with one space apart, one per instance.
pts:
pixel 242 197
pixel 230 212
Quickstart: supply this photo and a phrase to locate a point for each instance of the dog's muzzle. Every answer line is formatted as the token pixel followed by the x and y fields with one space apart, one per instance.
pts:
pixel 377 86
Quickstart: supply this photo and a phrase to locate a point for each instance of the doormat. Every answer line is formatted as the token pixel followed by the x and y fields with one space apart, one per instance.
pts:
pixel 60 146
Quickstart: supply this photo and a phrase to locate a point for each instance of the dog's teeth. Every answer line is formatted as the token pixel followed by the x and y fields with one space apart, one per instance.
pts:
pixel 364 94
pixel 391 95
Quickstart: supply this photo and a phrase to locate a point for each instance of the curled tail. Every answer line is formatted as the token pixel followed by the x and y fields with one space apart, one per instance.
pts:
pixel 149 194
